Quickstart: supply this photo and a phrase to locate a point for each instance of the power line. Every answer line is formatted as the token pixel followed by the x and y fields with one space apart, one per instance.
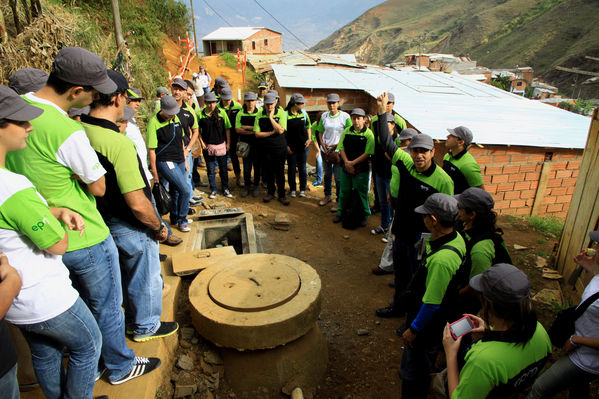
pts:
pixel 216 12
pixel 279 22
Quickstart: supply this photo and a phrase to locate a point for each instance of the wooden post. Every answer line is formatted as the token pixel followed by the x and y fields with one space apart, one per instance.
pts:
pixel 193 23
pixel 583 214
pixel 118 30
pixel 536 206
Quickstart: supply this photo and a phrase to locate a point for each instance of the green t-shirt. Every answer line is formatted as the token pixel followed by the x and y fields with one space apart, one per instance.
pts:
pixel 439 179
pixel 313 126
pixel 56 149
pixel 481 256
pixel 465 172
pixel 492 363
pixel 369 149
pixel 441 267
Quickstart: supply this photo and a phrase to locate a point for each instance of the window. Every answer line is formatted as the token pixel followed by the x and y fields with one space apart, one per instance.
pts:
pixel 253 45
pixel 266 42
pixel 230 47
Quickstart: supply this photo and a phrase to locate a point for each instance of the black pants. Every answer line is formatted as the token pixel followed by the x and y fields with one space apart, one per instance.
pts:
pixel 273 164
pixel 233 155
pixel 404 265
pixel 251 162
pixel 297 160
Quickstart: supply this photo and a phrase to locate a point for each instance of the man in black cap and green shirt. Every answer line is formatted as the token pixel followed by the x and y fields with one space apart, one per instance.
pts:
pixel 432 294
pixel 65 169
pixel 459 164
pixel 419 178
pixel 356 146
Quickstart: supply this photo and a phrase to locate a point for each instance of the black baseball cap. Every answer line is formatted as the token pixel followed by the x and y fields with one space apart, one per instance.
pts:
pixel 14 108
pixel 119 80
pixel 79 66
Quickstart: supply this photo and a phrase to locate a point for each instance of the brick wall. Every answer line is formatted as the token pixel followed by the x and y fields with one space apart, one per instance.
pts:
pixel 512 174
pixel 316 99
pixel 273 46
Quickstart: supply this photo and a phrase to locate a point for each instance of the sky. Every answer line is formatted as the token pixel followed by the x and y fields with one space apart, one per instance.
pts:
pixel 310 20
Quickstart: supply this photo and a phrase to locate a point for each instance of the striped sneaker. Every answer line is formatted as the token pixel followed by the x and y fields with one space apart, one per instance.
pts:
pixel 143 365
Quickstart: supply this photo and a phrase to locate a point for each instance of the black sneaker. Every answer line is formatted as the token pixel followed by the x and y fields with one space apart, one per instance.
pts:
pixel 143 365
pixel 166 328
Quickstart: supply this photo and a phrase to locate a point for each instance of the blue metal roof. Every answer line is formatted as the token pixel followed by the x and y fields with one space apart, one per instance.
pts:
pixel 434 101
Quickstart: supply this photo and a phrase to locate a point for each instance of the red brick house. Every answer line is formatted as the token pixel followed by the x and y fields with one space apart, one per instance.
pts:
pixel 254 40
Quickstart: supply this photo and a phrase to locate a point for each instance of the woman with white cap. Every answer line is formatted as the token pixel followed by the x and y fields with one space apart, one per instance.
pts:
pixel 514 346
pixel 47 309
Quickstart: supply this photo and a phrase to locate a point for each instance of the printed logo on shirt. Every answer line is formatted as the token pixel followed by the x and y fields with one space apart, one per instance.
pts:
pixel 424 188
pixel 97 166
pixel 39 225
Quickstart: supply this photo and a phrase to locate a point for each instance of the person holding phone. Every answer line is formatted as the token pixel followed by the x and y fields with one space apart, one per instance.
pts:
pixel 581 363
pixel 514 346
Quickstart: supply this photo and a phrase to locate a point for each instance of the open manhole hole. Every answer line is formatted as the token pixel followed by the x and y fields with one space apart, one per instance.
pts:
pixel 236 231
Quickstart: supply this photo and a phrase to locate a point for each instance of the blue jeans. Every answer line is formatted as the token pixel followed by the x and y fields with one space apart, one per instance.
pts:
pixel 382 187
pixel 318 167
pixel 9 386
pixel 140 273
pixel 178 188
pixel 251 162
pixel 211 162
pixel 329 171
pixel 95 274
pixel 77 330
pixel 189 174
pixel 297 159
pixel 562 375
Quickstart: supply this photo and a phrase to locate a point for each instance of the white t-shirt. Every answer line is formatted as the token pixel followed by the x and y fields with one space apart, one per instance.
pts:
pixel 26 225
pixel 198 84
pixel 134 134
pixel 587 325
pixel 332 127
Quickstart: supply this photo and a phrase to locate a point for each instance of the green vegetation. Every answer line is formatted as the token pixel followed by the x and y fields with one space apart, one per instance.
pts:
pixel 502 82
pixel 541 241
pixel 548 226
pixel 229 59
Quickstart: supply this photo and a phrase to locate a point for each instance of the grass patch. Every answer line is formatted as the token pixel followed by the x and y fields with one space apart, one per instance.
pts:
pixel 541 241
pixel 542 253
pixel 548 226
pixel 229 59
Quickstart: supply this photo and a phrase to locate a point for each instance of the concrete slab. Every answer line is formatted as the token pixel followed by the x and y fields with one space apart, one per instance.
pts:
pixel 186 263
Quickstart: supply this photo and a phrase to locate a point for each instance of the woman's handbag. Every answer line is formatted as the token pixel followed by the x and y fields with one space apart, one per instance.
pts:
pixel 163 199
pixel 332 158
pixel 243 149
pixel 563 325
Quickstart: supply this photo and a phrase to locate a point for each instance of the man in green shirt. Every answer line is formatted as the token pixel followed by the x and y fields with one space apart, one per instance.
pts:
pixel 459 164
pixel 356 146
pixel 63 166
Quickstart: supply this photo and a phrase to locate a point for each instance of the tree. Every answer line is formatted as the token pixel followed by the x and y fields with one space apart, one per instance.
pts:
pixel 502 82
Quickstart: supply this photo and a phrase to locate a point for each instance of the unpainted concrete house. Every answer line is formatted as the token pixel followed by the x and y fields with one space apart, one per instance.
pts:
pixel 529 153
pixel 253 40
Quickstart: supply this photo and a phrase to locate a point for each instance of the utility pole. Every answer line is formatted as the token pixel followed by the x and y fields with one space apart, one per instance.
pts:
pixel 193 22
pixel 118 30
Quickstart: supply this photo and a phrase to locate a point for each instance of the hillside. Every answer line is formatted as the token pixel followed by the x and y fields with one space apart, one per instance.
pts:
pixel 496 33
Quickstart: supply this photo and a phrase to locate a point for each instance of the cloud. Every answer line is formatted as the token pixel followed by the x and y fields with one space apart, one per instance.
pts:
pixel 208 11
pixel 241 17
pixel 257 19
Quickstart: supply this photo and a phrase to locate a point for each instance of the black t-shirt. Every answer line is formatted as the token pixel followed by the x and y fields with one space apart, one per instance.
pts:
pixel 277 142
pixel 213 128
pixel 297 131
pixel 8 354
pixel 187 121
pixel 170 140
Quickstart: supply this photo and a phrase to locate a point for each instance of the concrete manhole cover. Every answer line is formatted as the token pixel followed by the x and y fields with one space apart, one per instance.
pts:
pixel 259 287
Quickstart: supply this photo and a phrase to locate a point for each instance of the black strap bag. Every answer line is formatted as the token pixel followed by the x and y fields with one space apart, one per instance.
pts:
pixel 163 199
pixel 563 325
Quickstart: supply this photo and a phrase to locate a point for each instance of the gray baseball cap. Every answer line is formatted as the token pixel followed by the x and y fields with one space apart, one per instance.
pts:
pixel 27 80
pixel 594 235
pixel 220 82
pixel 269 98
pixel 226 94
pixel 169 105
pixel 161 91
pixel 210 97
pixel 73 112
pixel 135 95
pixel 408 134
pixel 390 98
pixel 273 92
pixel 250 96
pixel 476 199
pixel 128 114
pixel 502 283
pixel 387 117
pixel 14 108
pixel 440 205
pixel 358 112
pixel 462 132
pixel 179 82
pixel 81 67
pixel 298 98
pixel 422 141
pixel 333 98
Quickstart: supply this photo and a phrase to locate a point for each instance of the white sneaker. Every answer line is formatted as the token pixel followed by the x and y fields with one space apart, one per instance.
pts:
pixel 142 365
pixel 302 194
pixel 212 195
pixel 227 194
pixel 293 194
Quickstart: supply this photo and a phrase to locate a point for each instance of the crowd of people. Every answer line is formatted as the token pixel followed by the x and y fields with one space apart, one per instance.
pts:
pixel 80 230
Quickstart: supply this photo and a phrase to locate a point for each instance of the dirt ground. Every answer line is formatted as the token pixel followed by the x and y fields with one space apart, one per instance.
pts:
pixel 362 366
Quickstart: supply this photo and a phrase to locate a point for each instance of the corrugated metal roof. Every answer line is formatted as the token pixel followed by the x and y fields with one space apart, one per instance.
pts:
pixel 233 33
pixel 434 101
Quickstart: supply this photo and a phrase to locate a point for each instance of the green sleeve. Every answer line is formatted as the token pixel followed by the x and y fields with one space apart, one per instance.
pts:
pixel 238 120
pixel 475 382
pixel 226 119
pixel 320 126
pixel 399 121
pixel 348 123
pixel 402 156
pixel 151 134
pixel 257 124
pixel 447 186
pixel 340 146
pixel 369 142
pixel 374 119
pixel 126 166
pixel 314 132
pixel 438 277
pixel 308 124
pixel 394 184
pixel 473 175
pixel 282 118
pixel 481 255
pixel 27 213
